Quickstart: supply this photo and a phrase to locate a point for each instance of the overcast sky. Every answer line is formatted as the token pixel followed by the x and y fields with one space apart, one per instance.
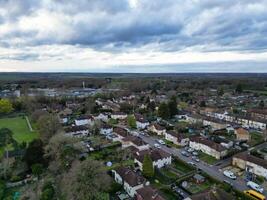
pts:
pixel 133 35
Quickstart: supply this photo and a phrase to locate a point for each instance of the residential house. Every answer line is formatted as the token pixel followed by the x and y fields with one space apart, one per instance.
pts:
pixel 106 129
pixel 84 120
pixel 156 128
pixel 242 134
pixel 118 115
pixel 130 180
pixel 214 123
pixel 258 113
pixel 120 132
pixel 211 194
pixel 148 193
pixel 159 158
pixel 250 163
pixel 207 146
pixel 141 122
pixel 199 178
pixel 176 138
pixel 135 142
pixel 77 131
pixel 102 116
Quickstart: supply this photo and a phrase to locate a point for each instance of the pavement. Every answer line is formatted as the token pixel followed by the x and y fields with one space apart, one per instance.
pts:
pixel 212 170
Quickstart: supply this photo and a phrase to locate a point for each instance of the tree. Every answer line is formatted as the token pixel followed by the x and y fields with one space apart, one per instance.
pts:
pixel 148 169
pixel 239 88
pixel 86 180
pixel 48 126
pixel 173 106
pixel 5 137
pixel 220 91
pixel 202 104
pixel 261 104
pixel 163 111
pixel 48 191
pixel 131 121
pixel 37 169
pixel 35 153
pixel 151 106
pixel 5 106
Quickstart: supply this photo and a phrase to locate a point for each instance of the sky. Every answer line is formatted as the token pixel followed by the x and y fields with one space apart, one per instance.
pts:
pixel 141 36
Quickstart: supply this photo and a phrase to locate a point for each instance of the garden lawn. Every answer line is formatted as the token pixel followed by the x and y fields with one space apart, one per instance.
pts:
pixel 19 127
pixel 207 158
pixel 256 138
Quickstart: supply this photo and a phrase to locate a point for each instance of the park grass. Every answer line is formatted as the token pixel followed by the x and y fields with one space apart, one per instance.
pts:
pixel 20 129
pixel 256 138
pixel 207 158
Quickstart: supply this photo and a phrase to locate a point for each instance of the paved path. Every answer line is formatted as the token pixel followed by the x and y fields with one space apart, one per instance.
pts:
pixel 29 124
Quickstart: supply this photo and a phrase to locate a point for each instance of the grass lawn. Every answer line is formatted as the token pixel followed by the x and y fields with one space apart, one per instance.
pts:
pixel 196 188
pixel 256 138
pixel 182 167
pixel 207 158
pixel 19 127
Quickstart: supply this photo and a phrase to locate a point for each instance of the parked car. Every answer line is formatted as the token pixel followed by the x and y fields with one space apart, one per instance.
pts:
pixel 190 150
pixel 157 145
pixel 184 153
pixel 228 182
pixel 195 153
pixel 229 174
pixel 192 163
pixel 255 186
pixel 161 142
pixel 195 158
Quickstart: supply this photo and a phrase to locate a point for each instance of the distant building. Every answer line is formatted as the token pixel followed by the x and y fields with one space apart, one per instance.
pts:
pixel 84 120
pixel 77 131
pixel 156 128
pixel 148 193
pixel 135 142
pixel 242 134
pixel 176 138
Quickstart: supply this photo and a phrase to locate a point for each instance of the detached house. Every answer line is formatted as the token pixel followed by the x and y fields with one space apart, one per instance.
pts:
pixel 159 157
pixel 175 138
pixel 130 180
pixel 120 132
pixel 250 163
pixel 148 193
pixel 135 142
pixel 207 146
pixel 106 129
pixel 76 131
pixel 141 122
pixel 118 115
pixel 156 128
pixel 84 120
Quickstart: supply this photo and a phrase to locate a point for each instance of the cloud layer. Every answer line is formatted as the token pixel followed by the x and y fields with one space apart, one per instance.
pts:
pixel 104 33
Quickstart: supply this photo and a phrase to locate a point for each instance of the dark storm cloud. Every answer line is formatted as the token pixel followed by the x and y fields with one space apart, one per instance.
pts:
pixel 166 25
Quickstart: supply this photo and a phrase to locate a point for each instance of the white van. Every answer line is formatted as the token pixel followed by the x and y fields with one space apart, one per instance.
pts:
pixel 255 186
pixel 229 174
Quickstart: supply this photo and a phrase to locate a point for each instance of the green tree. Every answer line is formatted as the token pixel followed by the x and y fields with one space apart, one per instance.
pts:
pixel 202 104
pixel 5 106
pixel 148 169
pixel 48 126
pixel 173 106
pixel 164 111
pixel 261 104
pixel 48 191
pixel 86 180
pixel 37 169
pixel 239 88
pixel 131 121
pixel 34 153
pixel 220 91
pixel 5 137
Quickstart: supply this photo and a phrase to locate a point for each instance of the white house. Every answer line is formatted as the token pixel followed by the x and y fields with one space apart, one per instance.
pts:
pixel 141 122
pixel 135 142
pixel 106 129
pixel 77 131
pixel 118 115
pixel 250 163
pixel 84 120
pixel 207 146
pixel 159 158
pixel 175 138
pixel 130 180
pixel 102 116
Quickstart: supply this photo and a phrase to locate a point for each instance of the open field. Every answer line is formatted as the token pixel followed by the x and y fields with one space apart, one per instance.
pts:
pixel 19 127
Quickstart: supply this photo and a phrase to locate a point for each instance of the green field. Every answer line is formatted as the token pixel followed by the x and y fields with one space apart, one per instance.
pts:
pixel 19 127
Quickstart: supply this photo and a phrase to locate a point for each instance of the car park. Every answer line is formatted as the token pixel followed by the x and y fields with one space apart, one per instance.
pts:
pixel 229 174
pixel 255 186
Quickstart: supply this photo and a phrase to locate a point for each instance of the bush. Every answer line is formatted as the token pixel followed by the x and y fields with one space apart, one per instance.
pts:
pixel 2 189
pixel 47 191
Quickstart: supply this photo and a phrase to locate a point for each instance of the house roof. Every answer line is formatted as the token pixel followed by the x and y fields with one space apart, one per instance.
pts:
pixel 120 131
pixel 129 176
pixel 140 118
pixel 179 136
pixel 253 159
pixel 259 111
pixel 149 193
pixel 211 144
pixel 75 129
pixel 241 131
pixel 155 154
pixel 137 141
pixel 158 127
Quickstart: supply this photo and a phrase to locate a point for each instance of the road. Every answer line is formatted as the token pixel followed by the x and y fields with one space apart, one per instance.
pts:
pixel 212 170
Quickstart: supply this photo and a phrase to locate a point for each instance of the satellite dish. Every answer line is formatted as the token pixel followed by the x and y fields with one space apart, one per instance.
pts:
pixel 109 164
